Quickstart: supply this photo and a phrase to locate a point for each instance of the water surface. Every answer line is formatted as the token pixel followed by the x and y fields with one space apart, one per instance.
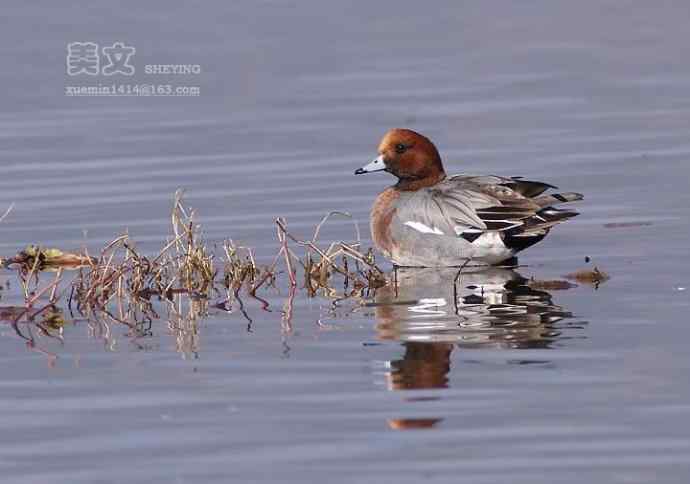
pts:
pixel 487 378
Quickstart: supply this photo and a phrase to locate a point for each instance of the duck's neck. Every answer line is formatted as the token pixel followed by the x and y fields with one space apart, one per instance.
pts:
pixel 413 184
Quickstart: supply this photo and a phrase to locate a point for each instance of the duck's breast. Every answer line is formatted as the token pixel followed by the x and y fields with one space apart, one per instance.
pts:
pixel 382 213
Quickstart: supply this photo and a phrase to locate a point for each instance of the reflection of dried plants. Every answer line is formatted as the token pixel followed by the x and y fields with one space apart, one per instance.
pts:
pixel 184 315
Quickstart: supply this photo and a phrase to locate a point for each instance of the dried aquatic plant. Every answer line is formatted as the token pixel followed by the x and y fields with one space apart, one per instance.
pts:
pixel 594 277
pixel 194 270
pixel 184 265
pixel 123 286
pixel 321 264
pixel 7 212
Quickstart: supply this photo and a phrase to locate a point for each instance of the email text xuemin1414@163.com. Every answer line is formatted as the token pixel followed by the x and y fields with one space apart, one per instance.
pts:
pixel 132 90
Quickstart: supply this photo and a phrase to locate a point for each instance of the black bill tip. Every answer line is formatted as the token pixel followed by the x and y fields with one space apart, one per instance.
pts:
pixel 360 171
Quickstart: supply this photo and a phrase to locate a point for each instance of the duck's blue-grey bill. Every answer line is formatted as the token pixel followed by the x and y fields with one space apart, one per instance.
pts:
pixel 378 164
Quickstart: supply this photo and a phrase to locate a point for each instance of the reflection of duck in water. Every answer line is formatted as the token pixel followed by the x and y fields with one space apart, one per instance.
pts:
pixel 424 366
pixel 432 310
pixel 489 307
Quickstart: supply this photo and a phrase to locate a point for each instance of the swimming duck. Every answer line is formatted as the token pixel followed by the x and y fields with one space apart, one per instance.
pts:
pixel 429 219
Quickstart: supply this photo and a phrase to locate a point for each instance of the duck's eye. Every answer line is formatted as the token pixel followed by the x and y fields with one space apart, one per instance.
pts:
pixel 400 148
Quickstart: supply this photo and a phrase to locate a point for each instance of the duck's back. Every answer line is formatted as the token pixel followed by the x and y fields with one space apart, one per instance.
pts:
pixel 483 218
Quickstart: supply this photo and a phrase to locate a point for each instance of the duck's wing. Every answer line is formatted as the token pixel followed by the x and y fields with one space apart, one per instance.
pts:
pixel 469 206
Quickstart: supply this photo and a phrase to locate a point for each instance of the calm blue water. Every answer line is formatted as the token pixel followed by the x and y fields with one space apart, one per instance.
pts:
pixel 488 380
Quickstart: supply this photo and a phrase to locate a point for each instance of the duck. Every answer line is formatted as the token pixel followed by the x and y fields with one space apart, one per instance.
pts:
pixel 430 219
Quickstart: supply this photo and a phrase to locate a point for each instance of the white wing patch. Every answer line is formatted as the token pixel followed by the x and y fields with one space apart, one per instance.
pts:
pixel 420 227
pixel 461 229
